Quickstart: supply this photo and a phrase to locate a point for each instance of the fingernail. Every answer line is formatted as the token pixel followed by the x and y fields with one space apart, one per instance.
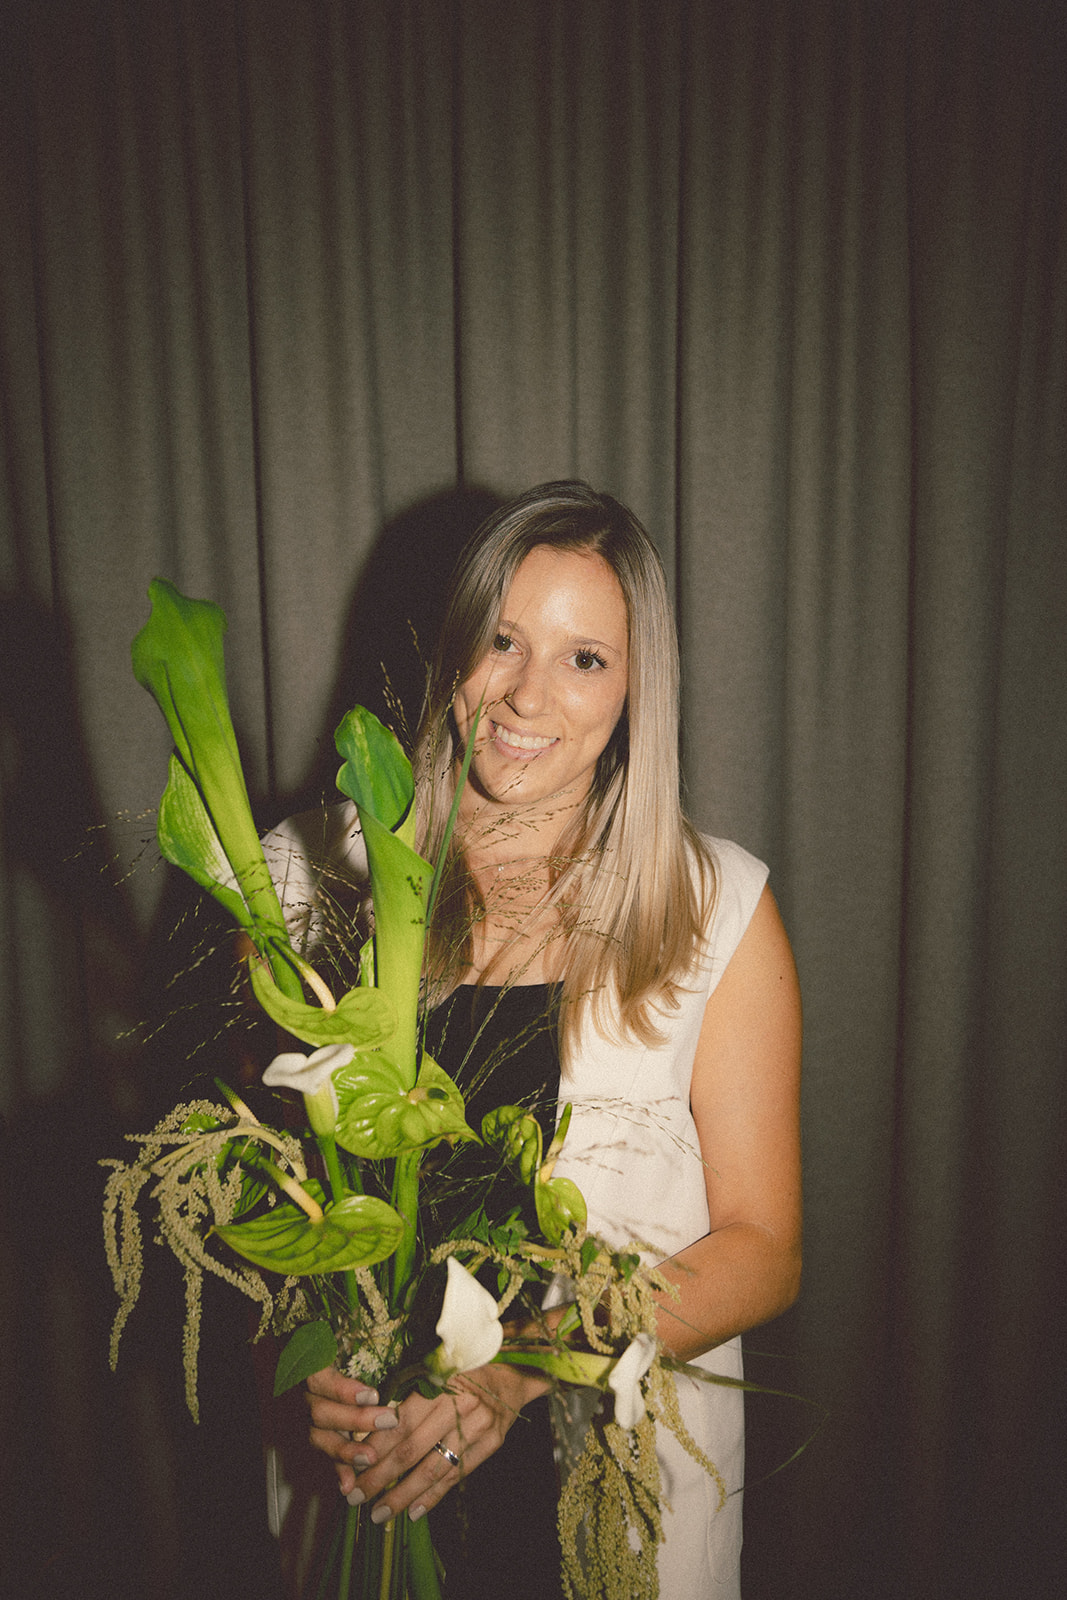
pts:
pixel 367 1397
pixel 380 1514
pixel 416 1512
pixel 386 1420
pixel 362 1462
pixel 355 1497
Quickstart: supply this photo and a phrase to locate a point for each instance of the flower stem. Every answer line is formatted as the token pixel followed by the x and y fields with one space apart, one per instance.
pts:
pixel 347 1550
pixel 421 1563
pixel 328 1145
pixel 388 1557
pixel 406 1201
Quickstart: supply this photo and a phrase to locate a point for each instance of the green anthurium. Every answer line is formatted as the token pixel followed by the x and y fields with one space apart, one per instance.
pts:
pixel 355 1232
pixel 559 1202
pixel 380 1117
pixel 365 1018
pixel 517 1134
pixel 178 658
pixel 560 1206
pixel 377 776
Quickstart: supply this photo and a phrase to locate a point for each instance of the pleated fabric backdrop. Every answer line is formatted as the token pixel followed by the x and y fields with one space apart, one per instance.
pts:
pixel 290 292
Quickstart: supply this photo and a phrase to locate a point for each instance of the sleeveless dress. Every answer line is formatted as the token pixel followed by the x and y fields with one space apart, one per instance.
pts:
pixel 632 1148
pixel 496 1531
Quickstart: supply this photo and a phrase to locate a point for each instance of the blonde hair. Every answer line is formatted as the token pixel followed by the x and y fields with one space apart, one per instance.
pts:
pixel 632 879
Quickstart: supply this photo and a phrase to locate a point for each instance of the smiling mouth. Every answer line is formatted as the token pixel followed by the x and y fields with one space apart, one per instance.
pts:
pixel 524 743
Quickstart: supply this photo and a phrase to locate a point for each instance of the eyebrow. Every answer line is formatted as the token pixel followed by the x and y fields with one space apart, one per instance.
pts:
pixel 504 626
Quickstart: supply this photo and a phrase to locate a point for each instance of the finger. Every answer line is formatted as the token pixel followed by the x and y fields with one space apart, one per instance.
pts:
pixel 341 1447
pixel 444 1473
pixel 424 1487
pixel 345 1418
pixel 434 1477
pixel 415 1472
pixel 336 1386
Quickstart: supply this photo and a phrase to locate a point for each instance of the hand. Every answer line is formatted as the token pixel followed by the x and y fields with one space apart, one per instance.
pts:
pixel 470 1419
pixel 343 1412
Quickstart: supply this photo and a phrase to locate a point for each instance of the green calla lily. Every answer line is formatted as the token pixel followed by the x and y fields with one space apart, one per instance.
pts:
pixel 377 776
pixel 187 839
pixel 354 1232
pixel 379 1117
pixel 178 658
pixel 560 1203
pixel 376 773
pixel 569 1366
pixel 363 1017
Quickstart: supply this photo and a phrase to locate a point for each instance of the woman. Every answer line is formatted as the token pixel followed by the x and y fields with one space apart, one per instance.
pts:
pixel 576 878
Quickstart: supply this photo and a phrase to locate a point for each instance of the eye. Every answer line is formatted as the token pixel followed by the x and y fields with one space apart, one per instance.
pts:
pixel 588 660
pixel 502 643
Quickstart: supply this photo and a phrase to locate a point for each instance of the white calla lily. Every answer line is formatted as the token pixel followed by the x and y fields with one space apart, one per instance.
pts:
pixel 313 1076
pixel 625 1380
pixel 469 1326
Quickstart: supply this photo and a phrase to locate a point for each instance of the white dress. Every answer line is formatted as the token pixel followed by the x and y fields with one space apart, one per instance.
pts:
pixel 632 1149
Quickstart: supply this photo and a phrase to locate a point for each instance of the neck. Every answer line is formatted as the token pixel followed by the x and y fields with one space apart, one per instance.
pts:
pixel 494 836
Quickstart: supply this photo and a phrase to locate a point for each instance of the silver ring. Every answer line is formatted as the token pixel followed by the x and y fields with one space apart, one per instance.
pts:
pixel 449 1455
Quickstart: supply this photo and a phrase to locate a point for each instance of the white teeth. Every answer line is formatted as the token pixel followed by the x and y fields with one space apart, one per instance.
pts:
pixel 521 741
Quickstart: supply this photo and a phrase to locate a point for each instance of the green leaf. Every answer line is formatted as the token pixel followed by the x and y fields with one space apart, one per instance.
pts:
pixel 379 1116
pixel 311 1348
pixel 510 1234
pixel 356 1232
pixel 365 1018
pixel 376 773
pixel 590 1250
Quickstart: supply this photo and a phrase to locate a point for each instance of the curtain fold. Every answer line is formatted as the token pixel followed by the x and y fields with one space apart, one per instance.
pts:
pixel 288 296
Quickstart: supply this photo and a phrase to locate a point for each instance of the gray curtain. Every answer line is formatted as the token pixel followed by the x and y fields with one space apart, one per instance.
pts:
pixel 290 292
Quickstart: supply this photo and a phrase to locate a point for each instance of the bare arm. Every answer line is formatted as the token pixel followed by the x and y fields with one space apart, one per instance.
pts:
pixel 745 1100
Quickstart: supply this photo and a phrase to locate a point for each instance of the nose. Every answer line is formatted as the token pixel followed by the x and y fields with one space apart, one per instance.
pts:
pixel 527 692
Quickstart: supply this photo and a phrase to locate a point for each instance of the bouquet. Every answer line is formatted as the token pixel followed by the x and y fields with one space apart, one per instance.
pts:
pixel 327 1229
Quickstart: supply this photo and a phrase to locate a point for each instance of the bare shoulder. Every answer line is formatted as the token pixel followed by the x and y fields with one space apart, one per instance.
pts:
pixel 760 980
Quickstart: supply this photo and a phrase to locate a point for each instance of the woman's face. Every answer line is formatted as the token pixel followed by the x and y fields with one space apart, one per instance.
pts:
pixel 554 681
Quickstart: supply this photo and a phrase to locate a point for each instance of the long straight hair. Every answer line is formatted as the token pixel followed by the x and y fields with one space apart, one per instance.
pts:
pixel 632 880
